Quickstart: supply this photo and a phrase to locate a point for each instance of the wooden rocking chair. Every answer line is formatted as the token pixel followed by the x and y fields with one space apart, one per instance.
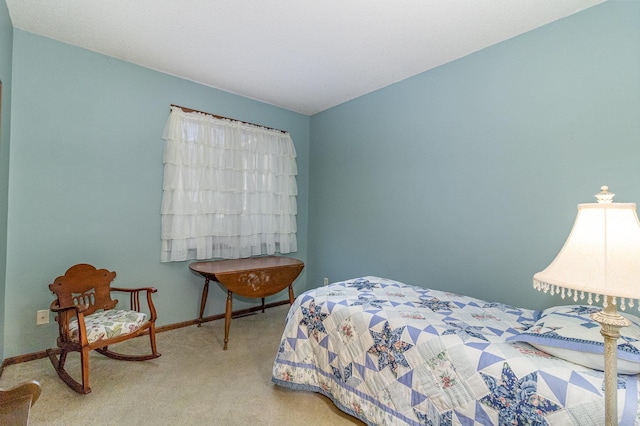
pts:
pixel 87 320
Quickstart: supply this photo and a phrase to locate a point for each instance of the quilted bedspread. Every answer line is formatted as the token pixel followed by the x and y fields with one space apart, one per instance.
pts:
pixel 393 354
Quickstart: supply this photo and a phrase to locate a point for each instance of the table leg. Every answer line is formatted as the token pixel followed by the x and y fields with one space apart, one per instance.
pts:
pixel 203 301
pixel 263 305
pixel 227 320
pixel 291 298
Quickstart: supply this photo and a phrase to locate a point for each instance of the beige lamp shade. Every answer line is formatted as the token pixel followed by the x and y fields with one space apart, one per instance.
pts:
pixel 601 255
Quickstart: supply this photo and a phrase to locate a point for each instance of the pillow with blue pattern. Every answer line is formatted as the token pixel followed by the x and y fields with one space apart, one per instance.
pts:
pixel 569 333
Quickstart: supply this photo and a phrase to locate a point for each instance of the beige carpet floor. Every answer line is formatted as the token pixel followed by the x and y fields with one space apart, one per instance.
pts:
pixel 194 382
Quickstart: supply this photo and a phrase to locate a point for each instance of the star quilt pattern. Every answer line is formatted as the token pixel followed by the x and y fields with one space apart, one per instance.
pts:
pixel 389 353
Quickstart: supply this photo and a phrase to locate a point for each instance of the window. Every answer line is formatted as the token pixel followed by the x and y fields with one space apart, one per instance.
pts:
pixel 229 189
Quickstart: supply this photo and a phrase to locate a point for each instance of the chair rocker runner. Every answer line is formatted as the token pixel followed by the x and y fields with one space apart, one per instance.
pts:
pixel 87 320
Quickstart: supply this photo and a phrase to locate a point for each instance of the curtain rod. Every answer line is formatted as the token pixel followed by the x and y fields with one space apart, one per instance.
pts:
pixel 185 109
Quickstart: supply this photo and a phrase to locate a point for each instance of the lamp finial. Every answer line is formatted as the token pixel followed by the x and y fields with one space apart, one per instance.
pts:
pixel 604 196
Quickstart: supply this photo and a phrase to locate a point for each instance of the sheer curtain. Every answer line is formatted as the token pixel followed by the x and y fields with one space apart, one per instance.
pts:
pixel 229 189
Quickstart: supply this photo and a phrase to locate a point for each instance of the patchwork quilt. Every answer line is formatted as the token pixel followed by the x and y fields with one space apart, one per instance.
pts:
pixel 392 354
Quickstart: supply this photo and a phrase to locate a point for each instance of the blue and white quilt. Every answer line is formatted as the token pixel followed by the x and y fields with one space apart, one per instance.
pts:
pixel 393 354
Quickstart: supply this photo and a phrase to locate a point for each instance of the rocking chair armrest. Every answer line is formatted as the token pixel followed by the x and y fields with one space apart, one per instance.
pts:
pixel 55 307
pixel 135 299
pixel 65 314
pixel 131 290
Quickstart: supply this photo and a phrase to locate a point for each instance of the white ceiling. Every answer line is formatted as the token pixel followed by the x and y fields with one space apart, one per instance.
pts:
pixel 302 55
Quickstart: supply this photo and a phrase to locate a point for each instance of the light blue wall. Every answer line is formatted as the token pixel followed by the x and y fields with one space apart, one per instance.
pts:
pixel 6 43
pixel 86 180
pixel 467 177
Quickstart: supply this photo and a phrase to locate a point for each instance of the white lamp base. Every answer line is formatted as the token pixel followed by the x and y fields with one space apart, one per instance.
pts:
pixel 610 324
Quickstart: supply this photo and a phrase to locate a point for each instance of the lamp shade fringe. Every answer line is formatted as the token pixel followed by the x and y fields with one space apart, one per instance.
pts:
pixel 577 295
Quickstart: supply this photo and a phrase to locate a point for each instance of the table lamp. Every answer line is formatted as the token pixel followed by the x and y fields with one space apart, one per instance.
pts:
pixel 601 257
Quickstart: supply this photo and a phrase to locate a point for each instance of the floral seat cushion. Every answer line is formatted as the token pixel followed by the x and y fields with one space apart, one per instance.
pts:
pixel 107 324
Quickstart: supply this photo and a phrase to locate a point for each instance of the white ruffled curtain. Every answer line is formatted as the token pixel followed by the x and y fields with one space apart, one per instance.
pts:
pixel 229 189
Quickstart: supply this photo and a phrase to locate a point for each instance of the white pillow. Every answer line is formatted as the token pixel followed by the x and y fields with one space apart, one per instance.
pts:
pixel 569 333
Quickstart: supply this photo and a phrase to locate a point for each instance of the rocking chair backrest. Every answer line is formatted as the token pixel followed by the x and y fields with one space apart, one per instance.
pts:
pixel 85 285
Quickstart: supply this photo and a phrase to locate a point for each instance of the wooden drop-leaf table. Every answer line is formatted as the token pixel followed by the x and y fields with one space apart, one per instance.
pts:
pixel 254 277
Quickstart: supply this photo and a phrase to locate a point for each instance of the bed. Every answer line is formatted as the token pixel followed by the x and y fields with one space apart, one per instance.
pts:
pixel 389 353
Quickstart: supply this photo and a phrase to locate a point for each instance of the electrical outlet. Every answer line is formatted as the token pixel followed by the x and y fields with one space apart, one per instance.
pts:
pixel 42 317
pixel 326 281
